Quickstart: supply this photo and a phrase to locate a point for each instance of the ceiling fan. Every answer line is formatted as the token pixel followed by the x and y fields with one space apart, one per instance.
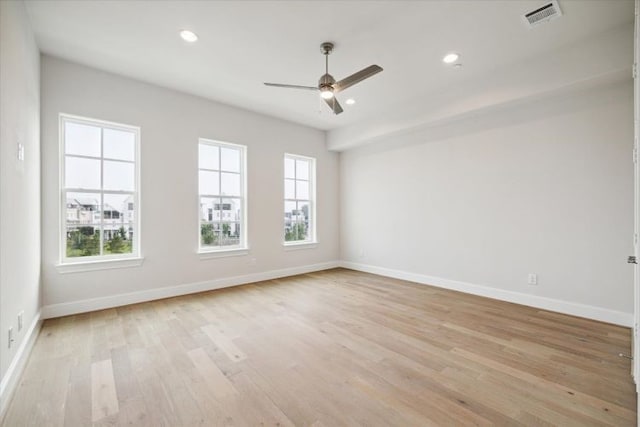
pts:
pixel 328 86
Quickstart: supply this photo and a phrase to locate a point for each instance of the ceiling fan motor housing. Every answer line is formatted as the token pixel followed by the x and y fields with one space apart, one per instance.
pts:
pixel 326 80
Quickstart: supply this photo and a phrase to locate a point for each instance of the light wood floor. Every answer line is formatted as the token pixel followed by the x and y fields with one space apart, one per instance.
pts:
pixel 326 349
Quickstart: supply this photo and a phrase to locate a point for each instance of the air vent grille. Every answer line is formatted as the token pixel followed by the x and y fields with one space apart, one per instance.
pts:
pixel 543 14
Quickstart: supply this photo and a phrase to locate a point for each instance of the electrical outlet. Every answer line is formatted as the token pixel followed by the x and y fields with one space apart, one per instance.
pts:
pixel 10 337
pixel 20 316
pixel 533 279
pixel 20 151
pixel 252 261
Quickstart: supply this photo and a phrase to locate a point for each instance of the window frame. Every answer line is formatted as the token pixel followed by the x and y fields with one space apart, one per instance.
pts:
pixel 134 258
pixel 242 248
pixel 312 241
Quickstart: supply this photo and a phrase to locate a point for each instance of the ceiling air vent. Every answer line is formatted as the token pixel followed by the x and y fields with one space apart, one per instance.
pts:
pixel 545 13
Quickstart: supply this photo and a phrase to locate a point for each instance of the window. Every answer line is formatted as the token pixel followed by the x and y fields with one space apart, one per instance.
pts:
pixel 299 199
pixel 221 174
pixel 99 176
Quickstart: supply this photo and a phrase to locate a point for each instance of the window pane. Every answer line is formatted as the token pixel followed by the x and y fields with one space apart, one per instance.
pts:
pixel 209 209
pixel 302 169
pixel 289 189
pixel 209 182
pixel 231 210
pixel 303 211
pixel 230 235
pixel 230 159
pixel 209 234
pixel 302 221
pixel 119 176
pixel 82 173
pixel 290 218
pixel 119 144
pixel 117 239
pixel 302 190
pixel 289 168
pixel 118 209
pixel 82 224
pixel 82 208
pixel 82 140
pixel 208 157
pixel 230 184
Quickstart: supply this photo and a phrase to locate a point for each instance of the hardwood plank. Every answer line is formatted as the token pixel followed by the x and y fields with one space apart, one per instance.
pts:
pixel 104 401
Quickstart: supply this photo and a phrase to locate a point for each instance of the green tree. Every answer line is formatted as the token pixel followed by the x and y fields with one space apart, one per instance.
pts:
pixel 123 233
pixel 86 231
pixel 297 232
pixel 207 234
pixel 91 245
pixel 116 245
pixel 83 242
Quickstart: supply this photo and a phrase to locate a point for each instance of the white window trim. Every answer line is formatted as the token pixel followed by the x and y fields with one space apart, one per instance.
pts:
pixel 242 248
pixel 99 262
pixel 312 242
pixel 105 264
pixel 205 255
pixel 297 246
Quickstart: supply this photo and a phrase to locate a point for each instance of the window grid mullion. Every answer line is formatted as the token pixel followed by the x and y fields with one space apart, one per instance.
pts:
pixel 101 191
pixel 220 198
pixel 109 159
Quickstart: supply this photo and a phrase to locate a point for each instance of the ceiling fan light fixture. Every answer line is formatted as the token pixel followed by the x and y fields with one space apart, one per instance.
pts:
pixel 326 92
pixel 450 58
pixel 188 36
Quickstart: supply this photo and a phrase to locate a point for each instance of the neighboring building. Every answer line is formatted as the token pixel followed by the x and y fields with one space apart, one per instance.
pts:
pixel 85 212
pixel 222 213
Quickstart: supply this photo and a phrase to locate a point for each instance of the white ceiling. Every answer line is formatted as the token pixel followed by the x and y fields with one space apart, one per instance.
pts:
pixel 244 43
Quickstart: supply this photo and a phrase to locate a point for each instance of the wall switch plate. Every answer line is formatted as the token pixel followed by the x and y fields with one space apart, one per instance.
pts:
pixel 20 316
pixel 10 337
pixel 533 279
pixel 20 151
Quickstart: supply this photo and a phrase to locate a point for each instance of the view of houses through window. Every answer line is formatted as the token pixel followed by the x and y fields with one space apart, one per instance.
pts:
pixel 222 199
pixel 99 188
pixel 299 174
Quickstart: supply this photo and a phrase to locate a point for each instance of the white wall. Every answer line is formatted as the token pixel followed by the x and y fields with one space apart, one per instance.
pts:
pixel 543 187
pixel 19 180
pixel 171 123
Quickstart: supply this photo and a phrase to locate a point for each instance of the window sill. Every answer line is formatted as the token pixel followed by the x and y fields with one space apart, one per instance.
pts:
pixel 79 267
pixel 299 246
pixel 223 253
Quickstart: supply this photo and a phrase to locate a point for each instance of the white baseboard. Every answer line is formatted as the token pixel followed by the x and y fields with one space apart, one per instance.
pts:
pixel 12 377
pixel 551 304
pixel 93 304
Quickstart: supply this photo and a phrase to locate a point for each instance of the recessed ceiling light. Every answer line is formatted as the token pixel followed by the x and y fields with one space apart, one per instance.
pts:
pixel 350 101
pixel 450 58
pixel 189 36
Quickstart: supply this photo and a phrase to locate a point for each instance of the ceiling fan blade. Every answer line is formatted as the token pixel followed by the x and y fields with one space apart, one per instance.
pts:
pixel 334 105
pixel 356 77
pixel 291 86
